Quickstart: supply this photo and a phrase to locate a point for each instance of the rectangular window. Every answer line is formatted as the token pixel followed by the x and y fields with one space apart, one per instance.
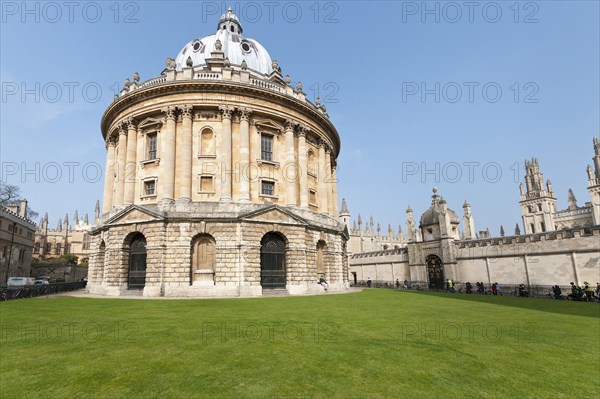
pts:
pixel 150 187
pixel 268 188
pixel 10 227
pixel 21 255
pixel 151 145
pixel 48 248
pixel 58 248
pixel 206 184
pixel 266 147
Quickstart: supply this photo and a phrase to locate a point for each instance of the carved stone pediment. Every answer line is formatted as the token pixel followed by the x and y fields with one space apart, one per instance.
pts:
pixel 133 214
pixel 268 125
pixel 150 124
pixel 274 214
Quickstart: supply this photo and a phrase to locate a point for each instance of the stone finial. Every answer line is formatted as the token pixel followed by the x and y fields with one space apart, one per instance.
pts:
pixel 549 186
pixel 170 63
pixel 136 77
pixel 218 45
pixel 227 63
pixel 115 97
pixel 590 172
pixel 501 231
pixel 86 219
pixel 288 79
pixel 299 86
pixel 127 82
pixel 275 65
pixel 244 65
pixel 188 62
pixel 517 230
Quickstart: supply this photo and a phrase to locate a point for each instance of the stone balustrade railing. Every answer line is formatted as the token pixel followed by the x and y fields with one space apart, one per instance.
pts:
pixel 227 74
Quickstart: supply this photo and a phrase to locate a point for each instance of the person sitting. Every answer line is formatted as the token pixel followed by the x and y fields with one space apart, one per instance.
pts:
pixel 575 292
pixel 323 282
pixel 522 290
pixel 557 292
pixel 405 286
pixel 397 283
pixel 469 288
pixel 589 291
pixel 494 289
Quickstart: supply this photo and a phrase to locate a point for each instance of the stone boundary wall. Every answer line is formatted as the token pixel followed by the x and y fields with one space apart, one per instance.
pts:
pixel 543 259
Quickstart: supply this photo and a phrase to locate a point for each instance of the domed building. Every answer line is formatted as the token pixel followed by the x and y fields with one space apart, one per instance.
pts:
pixel 220 180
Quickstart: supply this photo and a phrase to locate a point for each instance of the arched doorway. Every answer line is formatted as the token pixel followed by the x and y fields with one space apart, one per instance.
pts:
pixel 137 263
pixel 435 272
pixel 272 261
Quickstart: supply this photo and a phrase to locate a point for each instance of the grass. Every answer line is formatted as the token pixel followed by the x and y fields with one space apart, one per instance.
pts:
pixel 378 343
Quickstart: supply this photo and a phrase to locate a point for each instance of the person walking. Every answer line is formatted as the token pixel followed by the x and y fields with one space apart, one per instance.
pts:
pixel 368 282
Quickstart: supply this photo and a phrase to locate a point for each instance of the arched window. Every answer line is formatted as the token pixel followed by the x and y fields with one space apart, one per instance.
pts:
pixel 203 260
pixel 207 146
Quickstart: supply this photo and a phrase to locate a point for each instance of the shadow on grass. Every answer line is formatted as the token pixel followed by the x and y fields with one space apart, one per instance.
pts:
pixel 573 308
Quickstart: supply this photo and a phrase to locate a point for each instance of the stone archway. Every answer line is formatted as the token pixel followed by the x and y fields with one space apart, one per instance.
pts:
pixel 435 272
pixel 203 257
pixel 272 261
pixel 136 276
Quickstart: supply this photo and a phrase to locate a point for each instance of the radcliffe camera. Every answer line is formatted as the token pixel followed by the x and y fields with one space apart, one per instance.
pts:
pixel 202 199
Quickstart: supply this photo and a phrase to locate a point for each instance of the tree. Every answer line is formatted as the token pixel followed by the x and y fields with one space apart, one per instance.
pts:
pixel 11 195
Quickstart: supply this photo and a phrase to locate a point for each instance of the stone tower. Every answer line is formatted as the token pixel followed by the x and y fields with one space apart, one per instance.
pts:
pixel 538 203
pixel 594 182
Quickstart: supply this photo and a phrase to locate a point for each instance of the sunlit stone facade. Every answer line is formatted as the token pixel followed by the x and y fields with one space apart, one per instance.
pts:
pixel 220 180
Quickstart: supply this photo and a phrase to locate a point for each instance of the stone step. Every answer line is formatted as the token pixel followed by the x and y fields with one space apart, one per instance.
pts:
pixel 275 292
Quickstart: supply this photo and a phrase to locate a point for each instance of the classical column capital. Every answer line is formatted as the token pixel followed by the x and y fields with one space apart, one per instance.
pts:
pixel 122 129
pixel 130 123
pixel 321 143
pixel 110 142
pixel 290 124
pixel 187 111
pixel 226 111
pixel 170 112
pixel 245 114
pixel 302 130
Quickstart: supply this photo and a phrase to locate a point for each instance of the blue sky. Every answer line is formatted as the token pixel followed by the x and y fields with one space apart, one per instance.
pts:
pixel 423 94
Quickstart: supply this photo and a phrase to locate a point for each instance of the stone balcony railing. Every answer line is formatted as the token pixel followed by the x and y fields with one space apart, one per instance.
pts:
pixel 273 82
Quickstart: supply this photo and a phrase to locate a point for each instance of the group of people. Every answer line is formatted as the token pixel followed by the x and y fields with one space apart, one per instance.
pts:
pixel 481 288
pixel 585 293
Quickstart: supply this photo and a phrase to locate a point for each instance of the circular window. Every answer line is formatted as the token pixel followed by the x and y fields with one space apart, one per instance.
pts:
pixel 245 47
pixel 196 46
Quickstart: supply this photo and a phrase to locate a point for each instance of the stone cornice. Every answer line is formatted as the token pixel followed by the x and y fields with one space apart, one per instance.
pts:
pixel 202 86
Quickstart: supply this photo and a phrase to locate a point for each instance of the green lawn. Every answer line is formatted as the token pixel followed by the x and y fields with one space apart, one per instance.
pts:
pixel 377 343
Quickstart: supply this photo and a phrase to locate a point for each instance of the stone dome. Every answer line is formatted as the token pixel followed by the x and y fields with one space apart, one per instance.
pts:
pixel 432 215
pixel 234 46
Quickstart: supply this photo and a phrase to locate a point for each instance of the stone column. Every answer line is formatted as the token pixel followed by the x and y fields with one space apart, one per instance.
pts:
pixel 302 167
pixel 328 176
pixel 226 166
pixel 322 176
pixel 334 190
pixel 130 170
pixel 109 176
pixel 120 167
pixel 166 181
pixel 245 155
pixel 184 154
pixel 290 168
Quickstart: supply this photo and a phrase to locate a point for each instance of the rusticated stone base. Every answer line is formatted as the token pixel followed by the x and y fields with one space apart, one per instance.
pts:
pixel 236 233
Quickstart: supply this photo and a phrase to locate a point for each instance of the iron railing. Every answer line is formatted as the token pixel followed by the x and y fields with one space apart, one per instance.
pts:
pixel 30 291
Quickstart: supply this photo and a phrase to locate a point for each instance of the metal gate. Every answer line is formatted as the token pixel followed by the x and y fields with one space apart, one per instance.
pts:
pixel 435 272
pixel 137 264
pixel 272 261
